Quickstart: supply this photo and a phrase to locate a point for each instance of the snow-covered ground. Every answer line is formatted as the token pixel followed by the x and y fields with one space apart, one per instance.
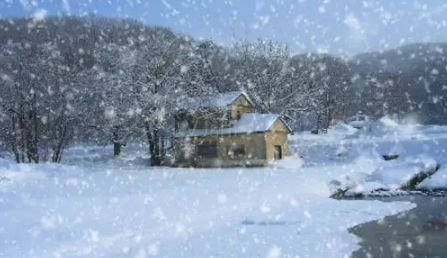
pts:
pixel 122 208
pixel 65 211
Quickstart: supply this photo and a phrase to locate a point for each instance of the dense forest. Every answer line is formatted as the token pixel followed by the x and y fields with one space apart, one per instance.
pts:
pixel 93 80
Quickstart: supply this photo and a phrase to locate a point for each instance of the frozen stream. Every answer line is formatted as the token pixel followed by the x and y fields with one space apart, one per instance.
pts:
pixel 420 232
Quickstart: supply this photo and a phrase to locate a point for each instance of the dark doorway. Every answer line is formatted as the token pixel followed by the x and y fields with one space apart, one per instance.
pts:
pixel 277 152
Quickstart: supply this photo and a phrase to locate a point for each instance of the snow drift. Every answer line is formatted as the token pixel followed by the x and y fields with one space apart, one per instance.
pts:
pixel 436 181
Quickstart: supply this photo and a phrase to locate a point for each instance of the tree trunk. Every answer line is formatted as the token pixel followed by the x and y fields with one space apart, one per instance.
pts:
pixel 155 156
pixel 35 142
pixel 318 122
pixel 153 137
pixel 14 140
pixel 116 143
pixel 150 140
pixel 163 146
pixel 116 149
pixel 58 149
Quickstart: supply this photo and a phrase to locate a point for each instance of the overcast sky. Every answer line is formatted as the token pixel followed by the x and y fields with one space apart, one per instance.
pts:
pixel 335 26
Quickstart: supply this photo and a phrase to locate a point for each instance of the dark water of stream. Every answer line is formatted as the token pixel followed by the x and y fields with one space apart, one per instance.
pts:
pixel 420 232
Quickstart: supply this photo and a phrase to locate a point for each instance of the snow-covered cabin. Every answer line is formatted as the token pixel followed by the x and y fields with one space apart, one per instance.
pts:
pixel 220 131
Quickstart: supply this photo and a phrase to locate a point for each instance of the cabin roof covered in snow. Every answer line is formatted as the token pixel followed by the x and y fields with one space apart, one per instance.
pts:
pixel 219 100
pixel 249 123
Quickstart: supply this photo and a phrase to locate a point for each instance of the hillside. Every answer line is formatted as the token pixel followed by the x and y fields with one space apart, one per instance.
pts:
pixel 400 60
pixel 422 68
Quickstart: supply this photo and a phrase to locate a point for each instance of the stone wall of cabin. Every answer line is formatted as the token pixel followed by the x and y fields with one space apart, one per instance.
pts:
pixel 278 135
pixel 276 138
pixel 239 107
pixel 254 144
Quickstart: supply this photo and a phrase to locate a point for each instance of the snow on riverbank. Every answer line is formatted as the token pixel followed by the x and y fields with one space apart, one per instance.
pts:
pixel 419 149
pixel 67 211
pixel 437 181
pixel 393 175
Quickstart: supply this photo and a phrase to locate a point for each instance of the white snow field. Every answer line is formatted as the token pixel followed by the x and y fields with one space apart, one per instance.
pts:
pixel 64 211
pixel 126 209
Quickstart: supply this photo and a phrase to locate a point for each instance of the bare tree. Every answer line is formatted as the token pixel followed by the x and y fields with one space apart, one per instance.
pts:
pixel 262 69
pixel 114 113
pixel 156 85
pixel 38 102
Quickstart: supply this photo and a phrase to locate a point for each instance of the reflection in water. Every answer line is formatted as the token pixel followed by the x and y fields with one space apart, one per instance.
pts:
pixel 420 232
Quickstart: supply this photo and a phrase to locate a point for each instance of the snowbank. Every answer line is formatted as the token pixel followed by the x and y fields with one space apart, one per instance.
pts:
pixel 341 129
pixel 437 181
pixel 370 173
pixel 419 149
pixel 289 162
pixel 387 176
pixel 4 164
pixel 322 149
pixel 367 188
pixel 396 174
pixel 356 172
pixel 384 128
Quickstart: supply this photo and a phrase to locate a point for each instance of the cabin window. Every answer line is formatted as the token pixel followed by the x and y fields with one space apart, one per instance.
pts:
pixel 207 150
pixel 238 115
pixel 237 151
